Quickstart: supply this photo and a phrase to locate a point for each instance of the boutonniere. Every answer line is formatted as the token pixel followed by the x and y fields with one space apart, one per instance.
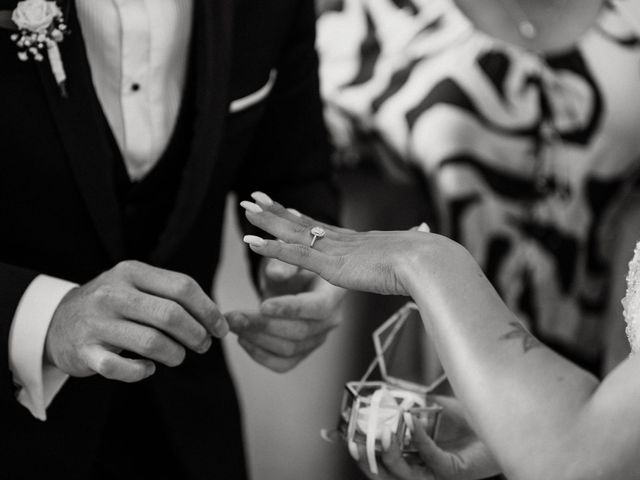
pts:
pixel 41 27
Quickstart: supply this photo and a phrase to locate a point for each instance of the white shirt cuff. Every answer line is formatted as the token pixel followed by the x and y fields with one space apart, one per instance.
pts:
pixel 39 383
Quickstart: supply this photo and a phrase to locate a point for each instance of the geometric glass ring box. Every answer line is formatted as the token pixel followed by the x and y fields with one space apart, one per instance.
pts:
pixel 373 410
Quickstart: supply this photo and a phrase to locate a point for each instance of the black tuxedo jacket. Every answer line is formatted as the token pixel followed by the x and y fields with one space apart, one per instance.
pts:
pixel 59 216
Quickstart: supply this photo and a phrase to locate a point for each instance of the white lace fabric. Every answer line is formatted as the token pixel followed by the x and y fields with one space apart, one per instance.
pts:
pixel 631 302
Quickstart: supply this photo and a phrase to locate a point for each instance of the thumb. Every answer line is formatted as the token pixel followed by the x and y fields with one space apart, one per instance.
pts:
pixel 277 270
pixel 438 460
pixel 279 278
pixel 242 321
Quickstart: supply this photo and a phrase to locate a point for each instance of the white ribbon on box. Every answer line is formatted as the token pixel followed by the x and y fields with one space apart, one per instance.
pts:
pixel 382 418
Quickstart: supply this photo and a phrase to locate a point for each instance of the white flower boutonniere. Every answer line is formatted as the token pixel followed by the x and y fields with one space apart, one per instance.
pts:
pixel 41 27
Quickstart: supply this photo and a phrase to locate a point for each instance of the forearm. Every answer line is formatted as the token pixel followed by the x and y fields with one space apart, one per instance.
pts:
pixel 542 416
pixel 524 400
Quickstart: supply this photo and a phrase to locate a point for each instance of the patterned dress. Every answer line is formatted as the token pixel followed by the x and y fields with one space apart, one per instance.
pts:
pixel 527 156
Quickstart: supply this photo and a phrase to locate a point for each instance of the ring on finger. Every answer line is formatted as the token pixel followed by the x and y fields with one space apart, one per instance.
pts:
pixel 317 233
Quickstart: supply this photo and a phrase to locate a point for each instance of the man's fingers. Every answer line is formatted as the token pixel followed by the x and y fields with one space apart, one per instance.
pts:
pixel 277 338
pixel 264 358
pixel 306 306
pixel 319 303
pixel 165 315
pixel 283 348
pixel 145 341
pixel 242 322
pixel 115 367
pixel 178 287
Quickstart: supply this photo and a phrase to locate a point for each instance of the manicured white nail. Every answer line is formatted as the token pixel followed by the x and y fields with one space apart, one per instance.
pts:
pixel 295 212
pixel 254 241
pixel 424 228
pixel 251 207
pixel 262 198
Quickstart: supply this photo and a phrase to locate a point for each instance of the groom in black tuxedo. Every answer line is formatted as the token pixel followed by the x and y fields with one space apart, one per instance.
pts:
pixel 142 250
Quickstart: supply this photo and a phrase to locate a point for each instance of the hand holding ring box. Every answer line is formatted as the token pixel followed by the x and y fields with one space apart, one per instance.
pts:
pixel 372 410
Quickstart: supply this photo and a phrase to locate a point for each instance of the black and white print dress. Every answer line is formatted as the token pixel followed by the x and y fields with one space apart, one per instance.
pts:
pixel 526 155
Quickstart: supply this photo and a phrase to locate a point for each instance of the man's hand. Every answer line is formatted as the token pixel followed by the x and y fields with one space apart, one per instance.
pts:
pixel 144 310
pixel 298 312
pixel 457 455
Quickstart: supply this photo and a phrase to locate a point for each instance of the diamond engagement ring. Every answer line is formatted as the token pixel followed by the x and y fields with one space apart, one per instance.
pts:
pixel 317 232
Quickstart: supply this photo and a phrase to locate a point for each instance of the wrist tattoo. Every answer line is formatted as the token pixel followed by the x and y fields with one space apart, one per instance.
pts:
pixel 529 342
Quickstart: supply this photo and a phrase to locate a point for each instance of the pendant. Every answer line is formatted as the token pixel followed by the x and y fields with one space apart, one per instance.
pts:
pixel 528 30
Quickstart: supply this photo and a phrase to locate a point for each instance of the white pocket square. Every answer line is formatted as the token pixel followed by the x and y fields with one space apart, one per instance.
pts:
pixel 250 100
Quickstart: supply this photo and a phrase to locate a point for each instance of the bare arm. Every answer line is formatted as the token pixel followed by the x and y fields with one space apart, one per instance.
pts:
pixel 542 416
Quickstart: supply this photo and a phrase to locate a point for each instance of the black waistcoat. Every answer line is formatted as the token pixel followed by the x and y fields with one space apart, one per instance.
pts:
pixel 135 417
pixel 145 205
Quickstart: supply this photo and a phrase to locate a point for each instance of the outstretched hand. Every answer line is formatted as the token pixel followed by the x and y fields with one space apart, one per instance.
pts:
pixel 384 263
pixel 377 262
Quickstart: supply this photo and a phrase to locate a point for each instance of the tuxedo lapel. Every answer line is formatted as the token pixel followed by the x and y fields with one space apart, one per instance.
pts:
pixel 212 29
pixel 80 122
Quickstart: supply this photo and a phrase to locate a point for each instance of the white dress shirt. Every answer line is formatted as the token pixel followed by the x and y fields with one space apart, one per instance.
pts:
pixel 138 52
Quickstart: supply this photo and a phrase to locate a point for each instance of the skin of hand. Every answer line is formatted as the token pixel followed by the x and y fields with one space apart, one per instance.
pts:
pixel 547 404
pixel 376 261
pixel 297 312
pixel 133 307
pixel 458 454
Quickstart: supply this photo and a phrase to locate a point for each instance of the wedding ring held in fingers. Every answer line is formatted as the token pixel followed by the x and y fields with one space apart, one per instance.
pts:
pixel 317 232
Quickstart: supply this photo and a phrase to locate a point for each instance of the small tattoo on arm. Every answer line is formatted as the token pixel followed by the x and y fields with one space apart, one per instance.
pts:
pixel 529 342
